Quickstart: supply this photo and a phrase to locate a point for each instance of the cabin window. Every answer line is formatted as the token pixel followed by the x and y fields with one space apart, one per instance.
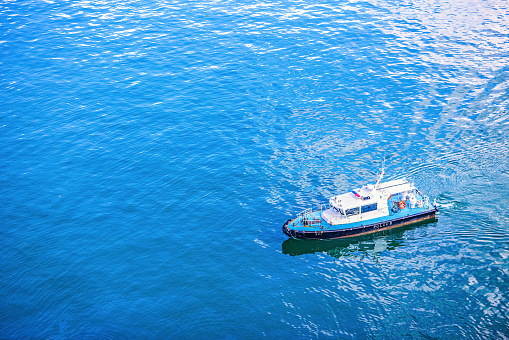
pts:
pixel 339 211
pixel 352 211
pixel 369 207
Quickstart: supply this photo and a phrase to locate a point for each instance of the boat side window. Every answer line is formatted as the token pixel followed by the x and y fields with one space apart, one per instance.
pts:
pixel 369 207
pixel 352 211
pixel 339 210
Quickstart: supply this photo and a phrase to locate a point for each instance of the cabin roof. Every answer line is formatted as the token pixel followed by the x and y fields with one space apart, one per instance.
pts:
pixel 369 195
pixel 397 186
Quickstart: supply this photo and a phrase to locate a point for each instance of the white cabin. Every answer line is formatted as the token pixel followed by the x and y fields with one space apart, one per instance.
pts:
pixel 370 201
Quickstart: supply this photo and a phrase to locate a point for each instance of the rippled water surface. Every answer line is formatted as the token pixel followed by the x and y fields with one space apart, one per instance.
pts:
pixel 151 151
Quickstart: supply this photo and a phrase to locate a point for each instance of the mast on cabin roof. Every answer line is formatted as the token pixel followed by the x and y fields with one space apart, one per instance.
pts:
pixel 380 175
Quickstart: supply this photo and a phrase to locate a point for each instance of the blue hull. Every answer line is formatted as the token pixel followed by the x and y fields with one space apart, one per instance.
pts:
pixel 423 216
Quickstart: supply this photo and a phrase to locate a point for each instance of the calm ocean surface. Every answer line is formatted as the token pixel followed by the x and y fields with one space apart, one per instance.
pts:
pixel 150 152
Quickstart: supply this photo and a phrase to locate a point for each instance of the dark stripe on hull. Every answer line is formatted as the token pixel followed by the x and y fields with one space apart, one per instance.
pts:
pixel 362 230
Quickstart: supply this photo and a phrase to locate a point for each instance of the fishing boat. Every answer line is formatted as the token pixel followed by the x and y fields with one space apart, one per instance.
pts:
pixel 369 209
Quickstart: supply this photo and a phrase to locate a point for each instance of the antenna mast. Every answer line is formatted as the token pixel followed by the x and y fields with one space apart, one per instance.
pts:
pixel 380 175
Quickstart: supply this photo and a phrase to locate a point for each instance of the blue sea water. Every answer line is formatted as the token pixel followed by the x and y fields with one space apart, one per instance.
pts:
pixel 150 152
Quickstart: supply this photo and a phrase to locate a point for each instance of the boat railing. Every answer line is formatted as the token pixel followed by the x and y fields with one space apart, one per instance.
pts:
pixel 307 217
pixel 427 201
pixel 324 207
pixel 305 213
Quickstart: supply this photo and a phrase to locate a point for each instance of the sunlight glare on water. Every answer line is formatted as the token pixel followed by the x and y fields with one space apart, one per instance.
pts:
pixel 152 150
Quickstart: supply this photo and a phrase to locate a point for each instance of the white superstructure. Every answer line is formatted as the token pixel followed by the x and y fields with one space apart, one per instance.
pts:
pixel 367 202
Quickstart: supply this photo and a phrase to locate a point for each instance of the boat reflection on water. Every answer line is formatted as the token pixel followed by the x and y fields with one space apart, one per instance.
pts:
pixel 362 246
